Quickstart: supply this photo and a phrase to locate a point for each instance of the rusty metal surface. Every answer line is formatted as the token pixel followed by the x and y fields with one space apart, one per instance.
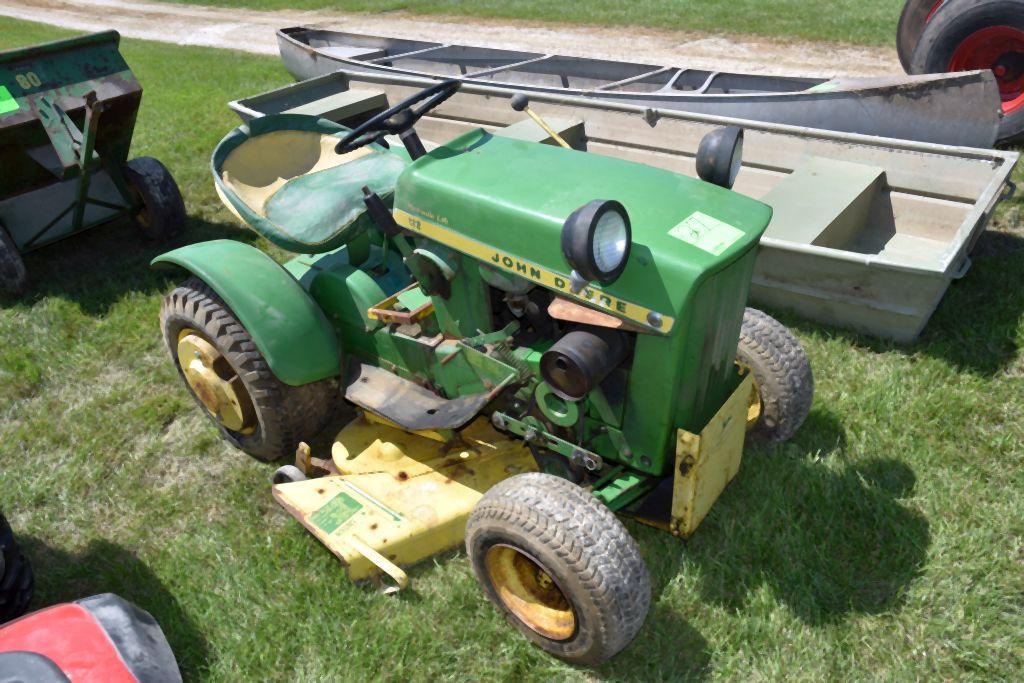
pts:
pixel 407 404
pixel 67 117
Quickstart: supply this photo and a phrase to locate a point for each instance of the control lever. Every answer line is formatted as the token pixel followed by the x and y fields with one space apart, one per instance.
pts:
pixel 520 102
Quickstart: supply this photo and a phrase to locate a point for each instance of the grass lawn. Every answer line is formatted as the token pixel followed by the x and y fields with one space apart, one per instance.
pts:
pixel 884 542
pixel 869 22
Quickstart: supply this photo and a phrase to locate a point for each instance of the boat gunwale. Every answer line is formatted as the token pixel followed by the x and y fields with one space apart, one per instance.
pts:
pixel 1003 161
pixel 843 89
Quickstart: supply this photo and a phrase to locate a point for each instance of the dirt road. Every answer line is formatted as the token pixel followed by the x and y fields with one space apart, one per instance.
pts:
pixel 254 32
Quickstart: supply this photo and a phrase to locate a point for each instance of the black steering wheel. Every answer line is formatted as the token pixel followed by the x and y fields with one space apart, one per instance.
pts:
pixel 399 118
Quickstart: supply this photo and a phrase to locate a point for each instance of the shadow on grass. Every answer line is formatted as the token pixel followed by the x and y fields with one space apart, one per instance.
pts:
pixel 829 539
pixel 96 268
pixel 975 325
pixel 105 567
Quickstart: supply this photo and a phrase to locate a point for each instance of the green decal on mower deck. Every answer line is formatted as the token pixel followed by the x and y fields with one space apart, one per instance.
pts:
pixel 706 232
pixel 336 512
pixel 7 101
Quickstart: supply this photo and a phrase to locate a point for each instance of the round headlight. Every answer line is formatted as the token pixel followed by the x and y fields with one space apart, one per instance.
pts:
pixel 720 156
pixel 596 239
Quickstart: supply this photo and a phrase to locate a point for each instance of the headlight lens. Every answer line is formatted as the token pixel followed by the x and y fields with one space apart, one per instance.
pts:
pixel 596 240
pixel 610 239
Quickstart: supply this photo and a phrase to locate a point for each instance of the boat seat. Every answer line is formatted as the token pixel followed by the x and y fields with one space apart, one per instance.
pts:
pixel 571 130
pixel 281 176
pixel 825 202
pixel 344 105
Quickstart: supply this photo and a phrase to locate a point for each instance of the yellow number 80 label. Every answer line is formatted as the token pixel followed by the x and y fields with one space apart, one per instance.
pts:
pixel 27 80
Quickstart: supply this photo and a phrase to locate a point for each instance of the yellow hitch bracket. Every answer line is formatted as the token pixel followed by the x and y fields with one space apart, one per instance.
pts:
pixel 707 462
pixel 396 498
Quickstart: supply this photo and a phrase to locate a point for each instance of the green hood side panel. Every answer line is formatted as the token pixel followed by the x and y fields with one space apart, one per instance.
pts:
pixel 513 196
pixel 286 324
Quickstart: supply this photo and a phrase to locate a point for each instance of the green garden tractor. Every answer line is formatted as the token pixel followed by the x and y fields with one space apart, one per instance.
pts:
pixel 533 338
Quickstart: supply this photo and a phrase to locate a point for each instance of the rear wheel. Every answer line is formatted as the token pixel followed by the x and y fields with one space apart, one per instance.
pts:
pixel 916 13
pixel 232 381
pixel 16 579
pixel 783 379
pixel 163 212
pixel 560 566
pixel 980 34
pixel 13 276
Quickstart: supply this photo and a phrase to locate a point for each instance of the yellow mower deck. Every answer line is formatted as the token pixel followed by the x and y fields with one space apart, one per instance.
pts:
pixel 395 498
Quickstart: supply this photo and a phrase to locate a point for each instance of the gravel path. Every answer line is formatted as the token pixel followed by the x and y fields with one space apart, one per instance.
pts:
pixel 254 32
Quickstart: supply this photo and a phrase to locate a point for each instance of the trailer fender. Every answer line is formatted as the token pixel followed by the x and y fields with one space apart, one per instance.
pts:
pixel 288 327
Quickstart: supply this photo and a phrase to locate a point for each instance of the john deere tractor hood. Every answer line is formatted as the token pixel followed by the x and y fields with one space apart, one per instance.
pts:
pixel 504 201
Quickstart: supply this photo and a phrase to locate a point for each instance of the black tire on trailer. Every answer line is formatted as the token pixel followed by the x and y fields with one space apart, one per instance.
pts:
pixel 231 380
pixel 16 578
pixel 13 276
pixel 782 377
pixel 560 566
pixel 163 211
pixel 915 15
pixel 980 34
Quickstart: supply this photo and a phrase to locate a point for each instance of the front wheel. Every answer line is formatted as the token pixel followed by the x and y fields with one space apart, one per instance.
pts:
pixel 232 381
pixel 560 566
pixel 783 381
pixel 162 215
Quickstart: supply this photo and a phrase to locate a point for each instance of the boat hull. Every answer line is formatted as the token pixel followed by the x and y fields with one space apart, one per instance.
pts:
pixel 954 109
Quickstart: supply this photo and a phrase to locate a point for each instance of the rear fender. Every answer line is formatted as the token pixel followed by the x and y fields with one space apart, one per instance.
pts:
pixel 287 326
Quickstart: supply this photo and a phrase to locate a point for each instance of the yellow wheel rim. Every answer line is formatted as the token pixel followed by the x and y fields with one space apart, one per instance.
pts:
pixel 529 592
pixel 215 383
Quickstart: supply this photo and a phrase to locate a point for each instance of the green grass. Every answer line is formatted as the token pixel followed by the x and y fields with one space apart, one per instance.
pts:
pixel 870 22
pixel 884 542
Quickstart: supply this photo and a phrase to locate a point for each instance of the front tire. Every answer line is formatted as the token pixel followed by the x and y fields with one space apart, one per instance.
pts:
pixel 232 381
pixel 782 377
pixel 163 211
pixel 560 566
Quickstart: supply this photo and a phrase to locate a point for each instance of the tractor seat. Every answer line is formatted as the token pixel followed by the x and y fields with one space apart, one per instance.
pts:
pixel 281 176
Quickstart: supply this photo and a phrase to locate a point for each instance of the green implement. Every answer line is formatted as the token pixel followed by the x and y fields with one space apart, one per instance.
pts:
pixel 67 114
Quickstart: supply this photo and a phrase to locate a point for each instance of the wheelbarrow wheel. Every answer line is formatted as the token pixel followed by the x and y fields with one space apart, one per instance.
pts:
pixel 964 35
pixel 163 211
pixel 232 381
pixel 16 579
pixel 13 276
pixel 560 566
pixel 784 383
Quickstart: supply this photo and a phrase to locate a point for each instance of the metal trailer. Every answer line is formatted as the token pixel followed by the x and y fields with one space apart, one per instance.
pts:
pixel 957 109
pixel 67 115
pixel 868 232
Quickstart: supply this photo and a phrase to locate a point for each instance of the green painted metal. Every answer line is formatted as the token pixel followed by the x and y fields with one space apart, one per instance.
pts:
pixel 67 114
pixel 484 214
pixel 692 259
pixel 290 330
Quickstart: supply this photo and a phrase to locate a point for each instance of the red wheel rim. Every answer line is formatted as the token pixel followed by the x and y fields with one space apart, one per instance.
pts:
pixel 1000 49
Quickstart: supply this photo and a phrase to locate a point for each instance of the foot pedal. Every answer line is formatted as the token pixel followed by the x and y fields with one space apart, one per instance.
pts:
pixel 406 403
